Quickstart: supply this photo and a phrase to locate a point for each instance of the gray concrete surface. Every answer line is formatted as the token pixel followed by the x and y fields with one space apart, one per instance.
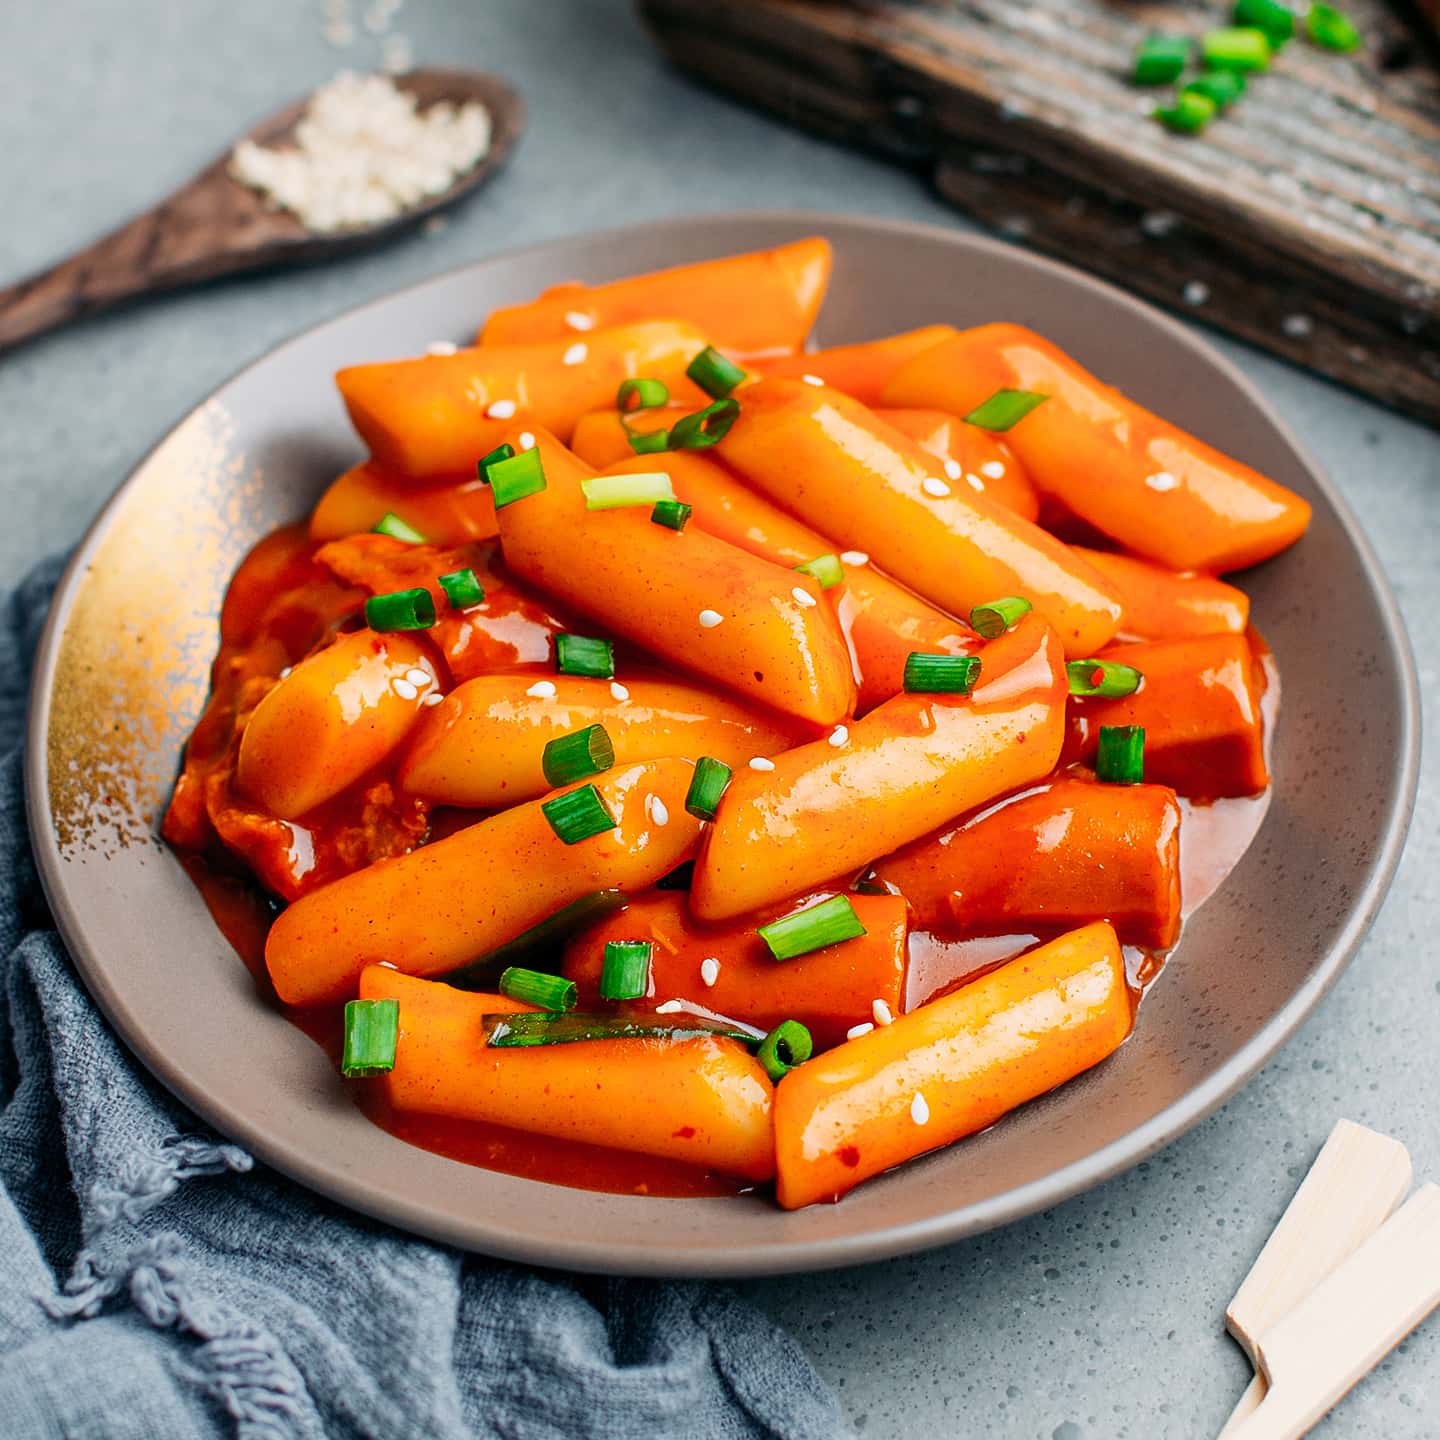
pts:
pixel 1099 1319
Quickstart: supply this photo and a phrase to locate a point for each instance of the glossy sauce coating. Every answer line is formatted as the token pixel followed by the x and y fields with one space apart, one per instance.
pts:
pixel 455 512
pixel 1165 604
pixel 983 460
pixel 861 370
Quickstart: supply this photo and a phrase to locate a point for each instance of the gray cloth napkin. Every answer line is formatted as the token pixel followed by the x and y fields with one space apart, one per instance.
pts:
pixel 156 1283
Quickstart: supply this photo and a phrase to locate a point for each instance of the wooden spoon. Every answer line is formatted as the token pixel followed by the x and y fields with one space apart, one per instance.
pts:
pixel 216 226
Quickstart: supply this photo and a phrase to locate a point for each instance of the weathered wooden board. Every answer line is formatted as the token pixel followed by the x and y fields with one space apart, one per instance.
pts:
pixel 1307 220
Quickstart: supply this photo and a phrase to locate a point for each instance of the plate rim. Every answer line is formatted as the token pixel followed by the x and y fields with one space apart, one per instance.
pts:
pixel 784 1256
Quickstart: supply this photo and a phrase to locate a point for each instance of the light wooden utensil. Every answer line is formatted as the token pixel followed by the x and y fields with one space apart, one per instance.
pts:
pixel 1349 1322
pixel 1357 1180
pixel 214 225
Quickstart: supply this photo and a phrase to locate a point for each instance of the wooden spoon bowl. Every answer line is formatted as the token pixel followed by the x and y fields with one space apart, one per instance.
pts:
pixel 214 225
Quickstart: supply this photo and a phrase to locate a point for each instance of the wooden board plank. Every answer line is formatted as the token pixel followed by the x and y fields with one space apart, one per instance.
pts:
pixel 1306 221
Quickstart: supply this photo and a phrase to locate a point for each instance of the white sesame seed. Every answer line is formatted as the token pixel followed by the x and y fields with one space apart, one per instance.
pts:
pixel 1161 480
pixel 839 735
pixel 418 677
pixel 576 354
pixel 855 557
pixel 285 671
pixel 579 320
pixel 709 969
pixel 937 488
pixel 993 469
pixel 527 440
pixel 404 689
pixel 618 690
pixel 919 1109
pixel 441 347
pixel 759 762
pixel 881 1011
pixel 670 1007
pixel 542 690
pixel 812 379
pixel 804 598
pixel 954 469
pixel 433 698
pixel 501 410
pixel 856 1031
pixel 709 619
pixel 657 810
pixel 975 482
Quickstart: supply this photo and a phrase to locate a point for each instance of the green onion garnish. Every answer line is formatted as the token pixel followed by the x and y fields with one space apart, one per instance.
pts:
pixel 941 674
pixel 1239 47
pixel 538 944
pixel 707 786
pixel 499 453
pixel 579 814
pixel 1120 754
pixel 641 395
pixel 1104 678
pixel 995 617
pixel 825 923
pixel 1276 20
pixel 705 427
pixel 547 1028
pixel 572 757
pixel 713 373
pixel 462 588
pixel 392 525
pixel 625 971
pixel 371 1029
pixel 785 1047
pixel 400 610
pixel 535 987
pixel 584 655
pixel 1004 409
pixel 516 477
pixel 649 444
pixel 1331 29
pixel 1189 115
pixel 1221 87
pixel 612 492
pixel 824 568
pixel 672 514
pixel 1159 59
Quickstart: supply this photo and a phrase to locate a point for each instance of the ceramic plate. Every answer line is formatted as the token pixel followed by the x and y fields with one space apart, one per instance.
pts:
pixel 122 675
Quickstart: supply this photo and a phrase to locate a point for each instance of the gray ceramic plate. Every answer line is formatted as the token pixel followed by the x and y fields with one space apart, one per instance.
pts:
pixel 123 672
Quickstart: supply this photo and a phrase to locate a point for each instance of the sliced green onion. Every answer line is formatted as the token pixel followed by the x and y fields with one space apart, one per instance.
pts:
pixel 650 443
pixel 539 943
pixel 941 674
pixel 785 1047
pixel 547 1028
pixel 514 478
pixel 672 514
pixel 1120 754
pixel 499 453
pixel 584 655
pixel 636 395
pixel 713 373
pixel 705 427
pixel 1159 59
pixel 1189 115
pixel 1238 47
pixel 824 568
pixel 1105 678
pixel 1004 409
pixel 392 525
pixel 579 814
pixel 1276 20
pixel 707 786
pixel 371 1029
pixel 613 492
pixel 814 927
pixel 572 757
pixel 535 987
pixel 1331 29
pixel 462 588
pixel 625 971
pixel 995 617
pixel 400 610
pixel 1221 87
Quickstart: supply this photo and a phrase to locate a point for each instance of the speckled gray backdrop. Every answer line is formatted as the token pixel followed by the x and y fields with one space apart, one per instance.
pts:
pixel 1099 1319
